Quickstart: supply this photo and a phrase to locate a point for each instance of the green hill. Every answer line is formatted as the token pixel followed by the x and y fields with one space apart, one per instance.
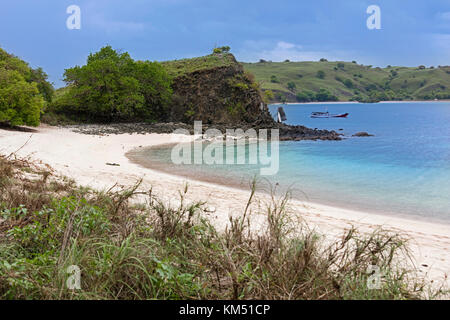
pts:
pixel 349 81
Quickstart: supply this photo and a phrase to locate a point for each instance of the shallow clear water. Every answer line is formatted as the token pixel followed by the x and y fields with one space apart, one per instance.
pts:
pixel 404 169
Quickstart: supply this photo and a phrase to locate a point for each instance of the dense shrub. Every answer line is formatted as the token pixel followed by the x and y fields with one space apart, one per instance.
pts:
pixel 348 83
pixel 23 91
pixel 291 86
pixel 321 96
pixel 320 74
pixel 224 49
pixel 114 87
pixel 305 96
pixel 325 95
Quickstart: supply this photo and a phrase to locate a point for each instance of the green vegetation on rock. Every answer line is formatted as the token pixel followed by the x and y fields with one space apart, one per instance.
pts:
pixel 216 90
pixel 177 68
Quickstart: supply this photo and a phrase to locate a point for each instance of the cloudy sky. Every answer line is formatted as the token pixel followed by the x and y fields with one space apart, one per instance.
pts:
pixel 413 32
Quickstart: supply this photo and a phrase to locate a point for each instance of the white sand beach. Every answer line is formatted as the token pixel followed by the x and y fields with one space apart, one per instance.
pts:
pixel 84 158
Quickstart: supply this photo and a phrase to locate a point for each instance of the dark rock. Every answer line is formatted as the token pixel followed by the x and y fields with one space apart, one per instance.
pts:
pixel 286 132
pixel 219 95
pixel 362 134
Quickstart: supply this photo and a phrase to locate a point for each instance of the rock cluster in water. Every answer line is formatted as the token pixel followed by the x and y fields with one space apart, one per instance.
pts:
pixel 287 133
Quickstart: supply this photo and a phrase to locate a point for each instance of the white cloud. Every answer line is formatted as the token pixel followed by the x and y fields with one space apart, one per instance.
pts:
pixel 285 45
pixel 444 15
pixel 254 50
pixel 443 20
pixel 110 26
pixel 441 40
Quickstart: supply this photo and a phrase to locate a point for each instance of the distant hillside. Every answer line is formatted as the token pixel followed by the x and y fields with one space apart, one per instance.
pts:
pixel 347 81
pixel 214 89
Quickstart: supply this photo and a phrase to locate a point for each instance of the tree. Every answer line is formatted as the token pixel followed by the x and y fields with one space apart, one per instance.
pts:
pixel 325 95
pixel 20 101
pixel 348 83
pixel 113 87
pixel 45 88
pixel 268 96
pixel 224 49
pixel 155 86
pixel 274 79
pixel 320 74
pixel 291 86
pixel 22 91
pixel 303 97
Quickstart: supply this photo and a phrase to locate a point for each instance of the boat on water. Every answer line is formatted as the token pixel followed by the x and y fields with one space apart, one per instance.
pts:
pixel 281 115
pixel 328 115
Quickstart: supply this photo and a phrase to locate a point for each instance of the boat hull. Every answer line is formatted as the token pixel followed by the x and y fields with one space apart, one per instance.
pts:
pixel 344 115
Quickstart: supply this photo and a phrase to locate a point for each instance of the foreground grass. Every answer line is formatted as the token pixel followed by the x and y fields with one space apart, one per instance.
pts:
pixel 127 250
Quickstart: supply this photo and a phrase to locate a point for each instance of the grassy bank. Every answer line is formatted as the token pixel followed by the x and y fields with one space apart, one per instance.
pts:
pixel 129 244
pixel 300 81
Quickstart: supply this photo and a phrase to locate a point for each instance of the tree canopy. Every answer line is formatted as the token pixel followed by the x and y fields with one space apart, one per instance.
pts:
pixel 23 91
pixel 114 87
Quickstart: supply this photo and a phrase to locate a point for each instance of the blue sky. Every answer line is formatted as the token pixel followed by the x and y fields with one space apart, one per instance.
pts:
pixel 413 32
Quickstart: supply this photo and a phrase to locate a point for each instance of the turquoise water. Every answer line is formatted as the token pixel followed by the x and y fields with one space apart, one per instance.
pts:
pixel 404 169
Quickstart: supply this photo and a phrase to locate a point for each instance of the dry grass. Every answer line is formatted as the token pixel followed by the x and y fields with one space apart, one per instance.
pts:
pixel 127 250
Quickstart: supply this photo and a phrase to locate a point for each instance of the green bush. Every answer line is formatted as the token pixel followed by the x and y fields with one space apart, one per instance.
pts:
pixel 320 74
pixel 303 97
pixel 324 95
pixel 291 86
pixel 114 87
pixel 224 49
pixel 23 91
pixel 348 83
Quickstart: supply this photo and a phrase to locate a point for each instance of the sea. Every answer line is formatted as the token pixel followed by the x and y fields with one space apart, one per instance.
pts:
pixel 403 169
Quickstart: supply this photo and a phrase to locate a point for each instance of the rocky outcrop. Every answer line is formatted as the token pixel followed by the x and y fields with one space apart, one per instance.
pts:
pixel 219 95
pixel 298 133
pixel 295 133
pixel 362 134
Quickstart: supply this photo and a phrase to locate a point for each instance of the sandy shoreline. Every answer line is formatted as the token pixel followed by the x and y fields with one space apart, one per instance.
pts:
pixel 84 158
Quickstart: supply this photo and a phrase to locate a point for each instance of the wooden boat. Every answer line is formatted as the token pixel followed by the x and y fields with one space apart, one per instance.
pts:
pixel 328 115
pixel 281 115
